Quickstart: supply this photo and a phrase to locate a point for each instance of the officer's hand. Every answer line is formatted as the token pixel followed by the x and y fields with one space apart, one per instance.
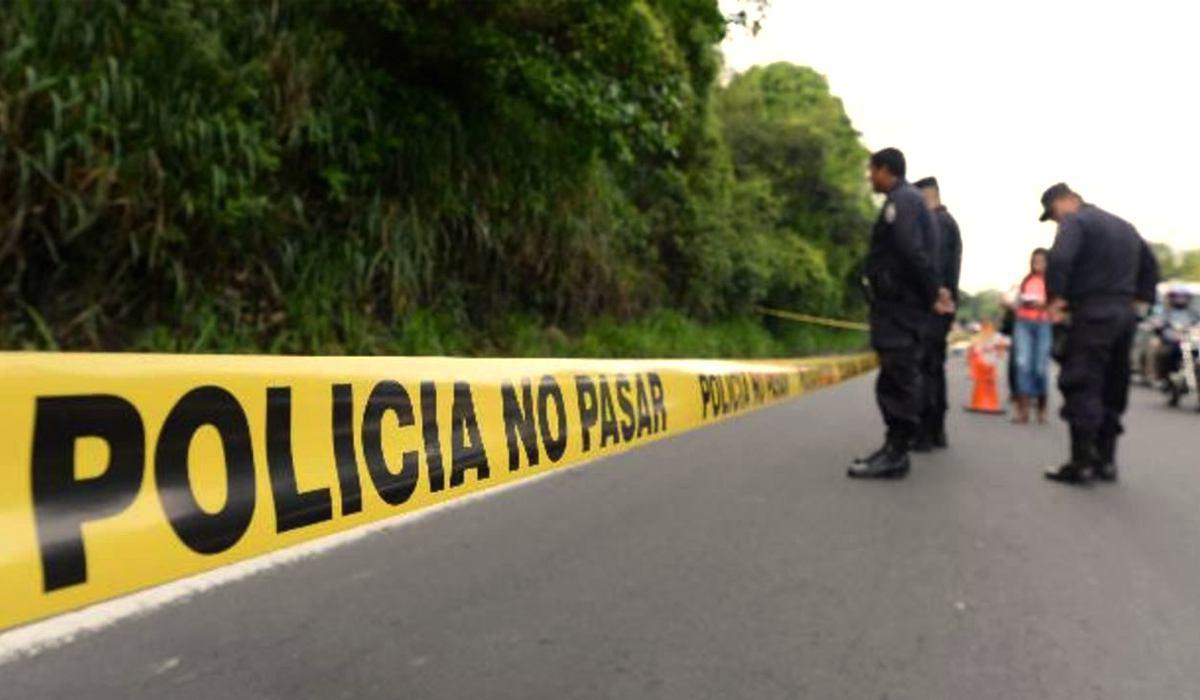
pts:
pixel 1057 310
pixel 944 306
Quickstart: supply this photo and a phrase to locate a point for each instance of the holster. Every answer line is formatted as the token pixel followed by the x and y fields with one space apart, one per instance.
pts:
pixel 868 292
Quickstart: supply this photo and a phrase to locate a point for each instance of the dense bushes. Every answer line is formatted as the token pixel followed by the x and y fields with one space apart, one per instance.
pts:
pixel 410 176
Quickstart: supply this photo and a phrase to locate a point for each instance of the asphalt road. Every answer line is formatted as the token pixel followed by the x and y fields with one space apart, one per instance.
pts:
pixel 734 562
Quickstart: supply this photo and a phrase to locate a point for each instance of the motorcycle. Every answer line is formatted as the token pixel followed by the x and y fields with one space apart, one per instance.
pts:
pixel 1183 379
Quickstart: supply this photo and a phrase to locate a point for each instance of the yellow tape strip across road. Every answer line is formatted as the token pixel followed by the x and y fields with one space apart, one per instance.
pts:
pixel 121 472
pixel 815 320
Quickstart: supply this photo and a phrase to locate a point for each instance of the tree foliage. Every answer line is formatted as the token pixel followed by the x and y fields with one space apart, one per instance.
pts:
pixel 798 166
pixel 329 175
pixel 1177 265
pixel 986 305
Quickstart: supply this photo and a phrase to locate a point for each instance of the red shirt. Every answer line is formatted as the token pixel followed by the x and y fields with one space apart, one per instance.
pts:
pixel 1032 291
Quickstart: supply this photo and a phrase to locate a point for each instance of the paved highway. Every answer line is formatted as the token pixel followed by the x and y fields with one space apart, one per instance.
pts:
pixel 733 562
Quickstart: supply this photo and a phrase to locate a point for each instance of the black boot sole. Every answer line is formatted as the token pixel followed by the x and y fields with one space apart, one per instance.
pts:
pixel 1075 479
pixel 888 474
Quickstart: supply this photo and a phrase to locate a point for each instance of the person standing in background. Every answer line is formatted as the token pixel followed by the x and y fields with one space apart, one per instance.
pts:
pixel 948 260
pixel 1032 337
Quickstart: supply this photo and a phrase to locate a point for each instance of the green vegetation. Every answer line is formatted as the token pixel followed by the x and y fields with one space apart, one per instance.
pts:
pixel 1177 265
pixel 987 305
pixel 534 177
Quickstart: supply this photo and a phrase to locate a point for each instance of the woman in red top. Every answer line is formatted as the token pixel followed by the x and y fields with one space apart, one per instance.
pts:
pixel 1032 337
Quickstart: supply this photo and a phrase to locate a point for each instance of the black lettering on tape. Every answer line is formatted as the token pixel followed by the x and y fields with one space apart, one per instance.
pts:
pixel 389 396
pixel 658 400
pixel 549 392
pixel 429 431
pixel 204 532
pixel 644 426
pixel 518 423
pixel 805 379
pixel 608 415
pixel 293 508
pixel 62 503
pixel 466 445
pixel 705 395
pixel 628 420
pixel 589 411
pixel 343 449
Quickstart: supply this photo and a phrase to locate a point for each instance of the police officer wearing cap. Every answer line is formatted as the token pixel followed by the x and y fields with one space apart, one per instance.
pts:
pixel 1098 267
pixel 948 259
pixel 902 288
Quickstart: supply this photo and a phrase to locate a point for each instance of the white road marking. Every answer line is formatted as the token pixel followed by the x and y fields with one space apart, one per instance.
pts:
pixel 165 665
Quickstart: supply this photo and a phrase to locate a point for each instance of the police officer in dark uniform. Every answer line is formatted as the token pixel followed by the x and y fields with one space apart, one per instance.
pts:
pixel 902 288
pixel 1099 266
pixel 948 258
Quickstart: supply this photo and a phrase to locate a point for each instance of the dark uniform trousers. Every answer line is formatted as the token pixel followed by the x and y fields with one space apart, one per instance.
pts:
pixel 1094 378
pixel 898 336
pixel 933 371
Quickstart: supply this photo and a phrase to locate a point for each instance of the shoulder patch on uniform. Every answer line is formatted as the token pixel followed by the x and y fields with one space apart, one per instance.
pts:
pixel 889 212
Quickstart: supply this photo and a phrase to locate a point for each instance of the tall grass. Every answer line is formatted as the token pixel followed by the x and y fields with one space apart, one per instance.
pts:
pixel 379 176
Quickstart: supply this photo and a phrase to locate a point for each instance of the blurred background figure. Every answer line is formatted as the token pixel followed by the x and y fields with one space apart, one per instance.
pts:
pixel 1032 338
pixel 1172 333
pixel 948 261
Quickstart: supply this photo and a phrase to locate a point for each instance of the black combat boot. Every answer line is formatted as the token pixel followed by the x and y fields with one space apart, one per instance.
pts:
pixel 873 455
pixel 888 462
pixel 1082 463
pixel 1106 462
pixel 923 442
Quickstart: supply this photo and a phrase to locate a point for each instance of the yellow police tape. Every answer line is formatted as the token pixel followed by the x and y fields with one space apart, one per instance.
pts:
pixel 814 320
pixel 119 472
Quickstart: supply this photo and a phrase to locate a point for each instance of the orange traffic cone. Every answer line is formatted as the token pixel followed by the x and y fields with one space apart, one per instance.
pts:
pixel 981 357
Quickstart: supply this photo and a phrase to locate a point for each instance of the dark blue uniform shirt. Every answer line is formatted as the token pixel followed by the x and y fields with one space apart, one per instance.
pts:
pixel 901 260
pixel 949 250
pixel 1098 256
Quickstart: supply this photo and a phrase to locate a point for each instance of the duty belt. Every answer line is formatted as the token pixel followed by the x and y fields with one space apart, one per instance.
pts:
pixel 1092 299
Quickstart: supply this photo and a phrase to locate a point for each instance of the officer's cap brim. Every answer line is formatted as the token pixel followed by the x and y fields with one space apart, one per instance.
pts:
pixel 1052 193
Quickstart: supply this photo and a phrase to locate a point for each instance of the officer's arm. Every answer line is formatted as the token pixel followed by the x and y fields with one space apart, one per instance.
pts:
pixel 954 257
pixel 1061 262
pixel 1148 274
pixel 914 234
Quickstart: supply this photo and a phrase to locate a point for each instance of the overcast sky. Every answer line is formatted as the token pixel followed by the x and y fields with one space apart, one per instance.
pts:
pixel 1001 100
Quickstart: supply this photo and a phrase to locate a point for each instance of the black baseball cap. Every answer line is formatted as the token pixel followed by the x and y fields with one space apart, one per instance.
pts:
pixel 1052 193
pixel 926 182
